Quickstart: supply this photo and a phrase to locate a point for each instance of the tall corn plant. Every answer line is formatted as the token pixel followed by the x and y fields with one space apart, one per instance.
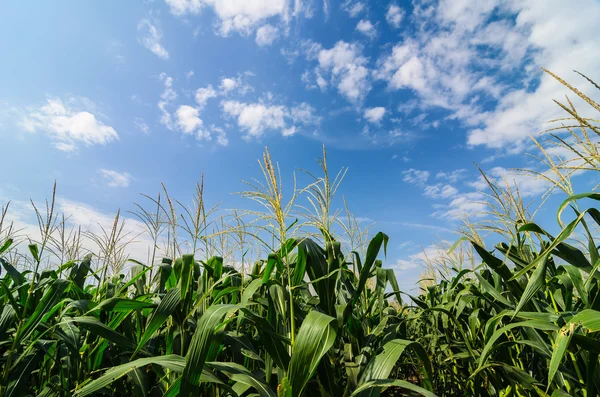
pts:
pixel 525 321
pixel 300 322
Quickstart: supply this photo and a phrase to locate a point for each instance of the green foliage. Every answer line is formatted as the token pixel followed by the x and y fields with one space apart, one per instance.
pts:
pixel 203 328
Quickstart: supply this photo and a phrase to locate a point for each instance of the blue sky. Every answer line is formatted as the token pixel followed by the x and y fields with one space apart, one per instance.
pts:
pixel 111 99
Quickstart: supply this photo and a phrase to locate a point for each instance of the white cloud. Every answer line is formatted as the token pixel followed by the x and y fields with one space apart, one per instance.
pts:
pixel 437 190
pixel 168 95
pixel 304 114
pixel 416 177
pixel 524 111
pixel 182 7
pixel 353 8
pixel 452 176
pixel 365 27
pixel 221 135
pixel 471 205
pixel 529 185
pixel 188 119
pixel 228 84
pixel 237 85
pixel 375 115
pixel 428 255
pixel 204 94
pixel 69 126
pixel 480 61
pixel 89 219
pixel 151 38
pixel 140 125
pixel 384 137
pixel 440 190
pixel 394 15
pixel 266 35
pixel 257 118
pixel 347 67
pixel 242 16
pixel 190 123
pixel 115 179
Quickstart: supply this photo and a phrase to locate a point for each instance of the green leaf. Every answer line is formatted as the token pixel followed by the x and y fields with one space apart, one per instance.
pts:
pixel 271 261
pixel 35 252
pixel 98 328
pixel 173 362
pixel 560 347
pixel 6 245
pixel 186 274
pixel 300 268
pixel 314 339
pixel 588 319
pixel 79 273
pixel 372 253
pixel 536 282
pixel 239 373
pixel 198 349
pixel 159 315
pixel 380 384
pixel 382 364
pixel 284 389
pixel 536 324
pixel 592 195
pixel 122 305
pixel 50 298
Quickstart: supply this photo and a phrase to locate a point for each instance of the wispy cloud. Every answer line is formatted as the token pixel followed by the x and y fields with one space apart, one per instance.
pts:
pixel 115 179
pixel 151 36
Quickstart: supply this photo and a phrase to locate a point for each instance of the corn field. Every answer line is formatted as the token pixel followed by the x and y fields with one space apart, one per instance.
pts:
pixel 257 303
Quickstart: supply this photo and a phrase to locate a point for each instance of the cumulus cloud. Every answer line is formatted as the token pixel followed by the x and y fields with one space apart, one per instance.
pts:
pixel 151 37
pixel 235 85
pixel 394 15
pixel 183 7
pixel 254 119
pixel 115 179
pixel 374 115
pixel 266 35
pixel 346 67
pixel 480 61
pixel 241 16
pixel 188 119
pixel 365 27
pixel 204 94
pixel 69 124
